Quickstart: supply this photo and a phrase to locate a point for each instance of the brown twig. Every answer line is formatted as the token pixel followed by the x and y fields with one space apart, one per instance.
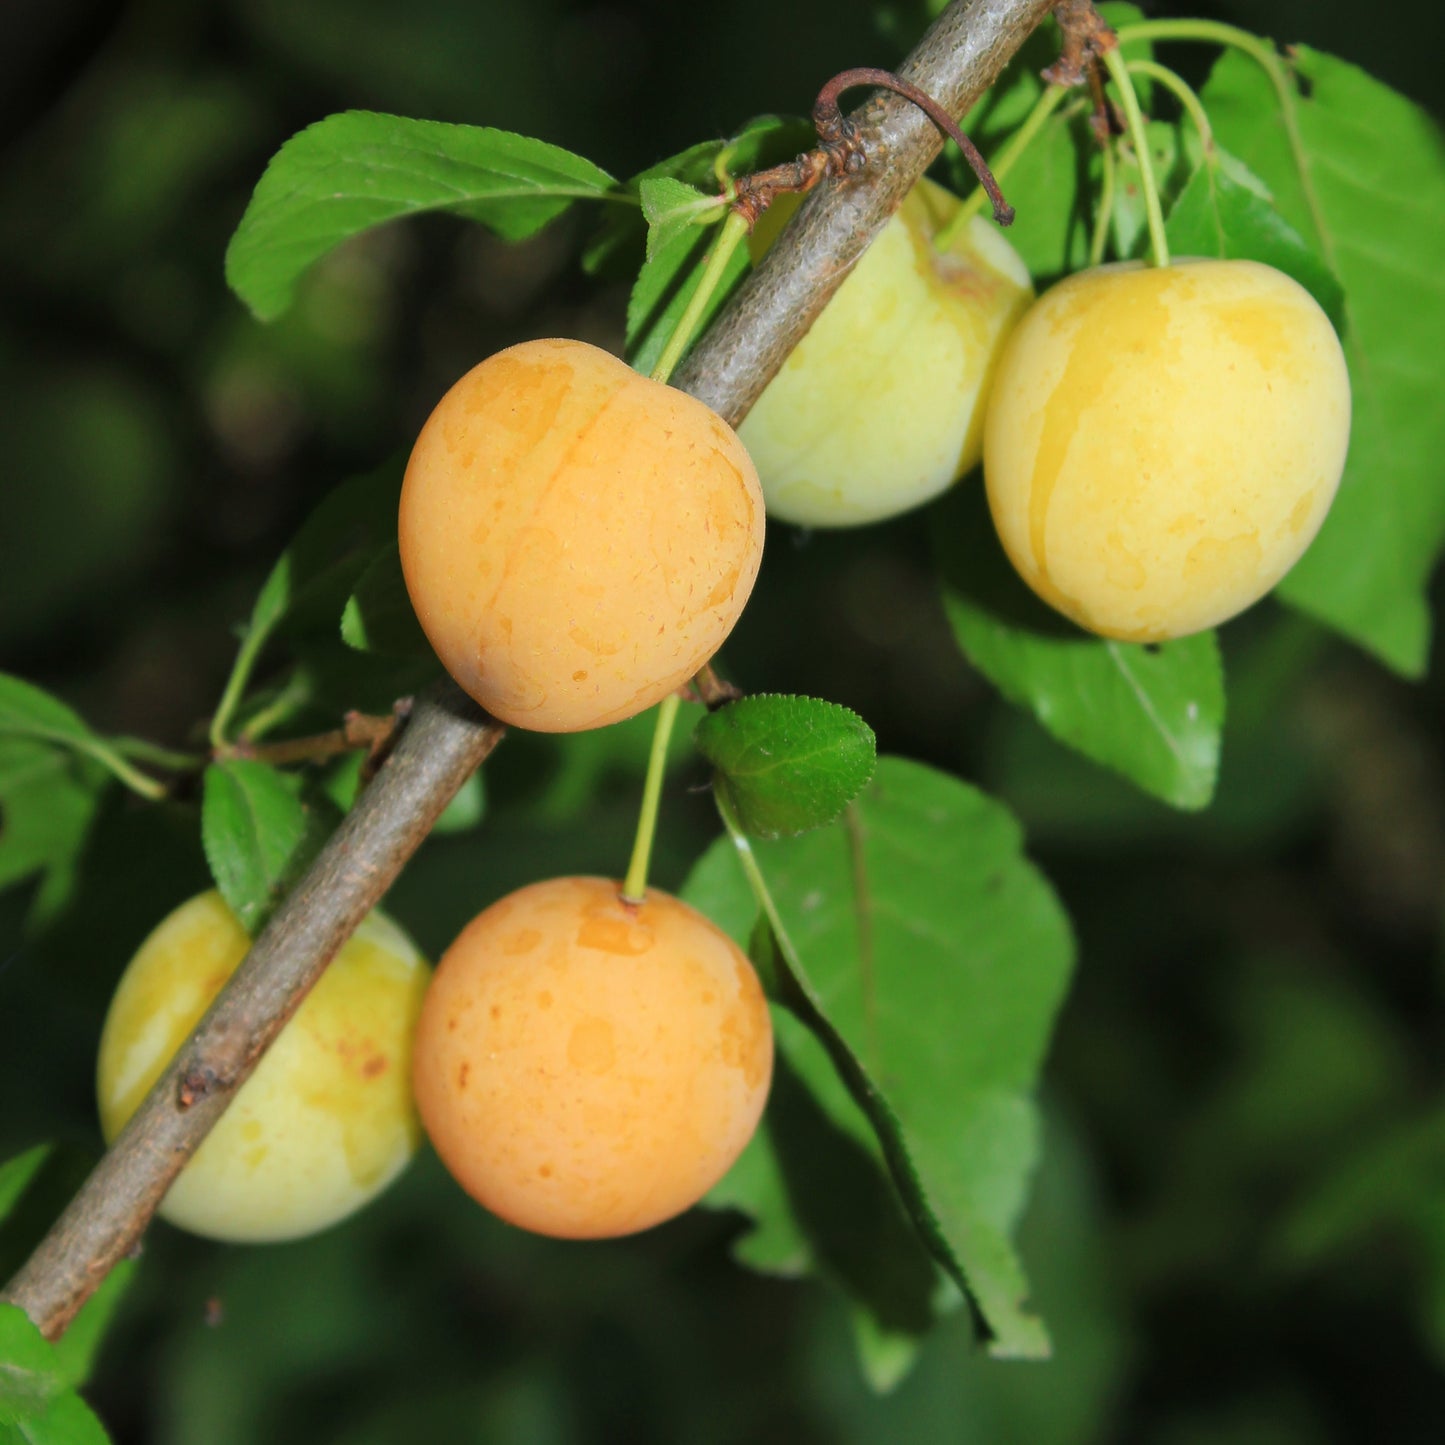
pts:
pixel 1085 38
pixel 447 736
pixel 840 151
pixel 833 130
pixel 444 741
pixel 357 730
pixel 713 691
pixel 955 62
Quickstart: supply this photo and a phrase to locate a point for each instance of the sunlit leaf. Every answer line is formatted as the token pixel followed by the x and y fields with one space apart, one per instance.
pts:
pixel 1370 197
pixel 355 170
pixel 791 763
pixel 930 961
pixel 1153 712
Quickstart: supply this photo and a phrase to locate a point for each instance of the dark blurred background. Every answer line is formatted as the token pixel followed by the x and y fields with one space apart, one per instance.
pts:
pixel 1240 1232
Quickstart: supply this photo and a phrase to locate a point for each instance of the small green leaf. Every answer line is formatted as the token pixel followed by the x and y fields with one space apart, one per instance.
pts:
pixel 1151 712
pixel 314 576
pixel 673 207
pixel 27 711
pixel 930 958
pixel 665 285
pixel 76 1350
pixel 1225 211
pixel 814 1184
pixel 48 799
pixel 1370 197
pixel 761 142
pixel 1174 163
pixel 355 170
pixel 17 1173
pixel 258 835
pixel 36 1408
pixel 378 616
pixel 791 763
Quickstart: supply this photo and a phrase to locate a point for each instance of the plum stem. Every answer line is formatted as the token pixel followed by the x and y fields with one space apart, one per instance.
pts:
pixel 634 886
pixel 1099 240
pixel 1182 92
pixel 1262 52
pixel 1134 119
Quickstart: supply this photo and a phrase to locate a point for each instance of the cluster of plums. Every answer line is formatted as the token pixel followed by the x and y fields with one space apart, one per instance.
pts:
pixel 1160 445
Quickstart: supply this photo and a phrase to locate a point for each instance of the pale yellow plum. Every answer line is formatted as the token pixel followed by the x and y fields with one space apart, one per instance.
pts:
pixel 324 1123
pixel 880 406
pixel 577 540
pixel 588 1067
pixel 1163 443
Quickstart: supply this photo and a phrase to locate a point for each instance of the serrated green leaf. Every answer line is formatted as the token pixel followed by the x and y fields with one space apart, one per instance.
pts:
pixel 258 835
pixel 36 1408
pixel 1371 200
pixel 378 616
pixel 1225 211
pixel 1151 712
pixel 791 763
pixel 673 207
pixel 930 958
pixel 355 170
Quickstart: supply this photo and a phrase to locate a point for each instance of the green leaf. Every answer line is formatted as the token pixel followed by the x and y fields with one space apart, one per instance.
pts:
pixel 17 1173
pixel 77 1348
pixel 27 711
pixel 761 142
pixel 930 959
pixel 791 763
pixel 378 616
pixel 814 1184
pixel 36 1408
pixel 1151 712
pixel 666 284
pixel 258 835
pixel 48 799
pixel 1370 197
pixel 1226 211
pixel 1174 165
pixel 673 208
pixel 314 576
pixel 355 170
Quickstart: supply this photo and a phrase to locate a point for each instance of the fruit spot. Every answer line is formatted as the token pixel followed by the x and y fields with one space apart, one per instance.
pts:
pixel 591 1047
pixel 614 935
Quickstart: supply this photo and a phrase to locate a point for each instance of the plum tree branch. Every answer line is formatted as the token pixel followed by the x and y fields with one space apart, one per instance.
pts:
pixel 955 62
pixel 447 737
